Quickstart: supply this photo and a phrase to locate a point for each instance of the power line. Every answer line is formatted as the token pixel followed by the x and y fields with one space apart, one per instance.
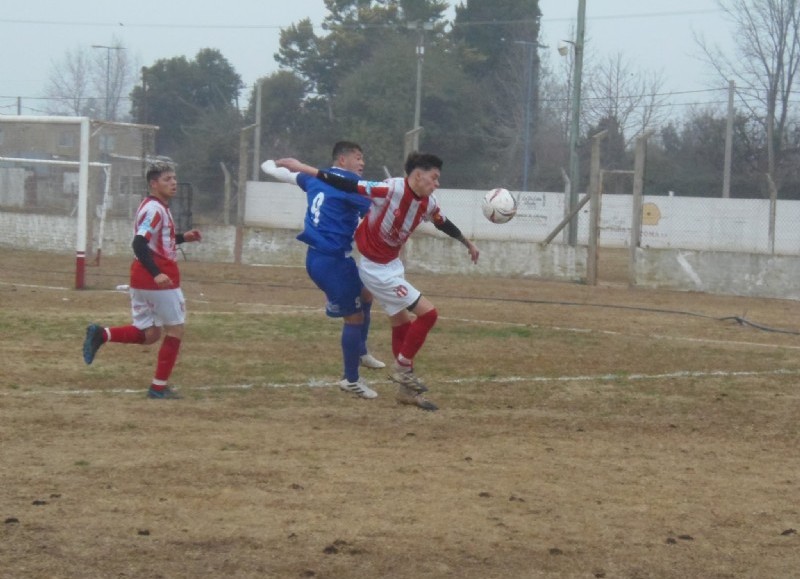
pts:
pixel 147 25
pixel 179 25
pixel 648 15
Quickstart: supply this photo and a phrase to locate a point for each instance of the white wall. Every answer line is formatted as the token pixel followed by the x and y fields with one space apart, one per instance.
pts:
pixel 719 272
pixel 682 222
pixel 275 213
pixel 12 187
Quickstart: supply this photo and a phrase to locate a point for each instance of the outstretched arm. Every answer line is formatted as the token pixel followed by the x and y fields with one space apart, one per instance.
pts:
pixel 294 167
pixel 341 183
pixel 280 173
pixel 288 169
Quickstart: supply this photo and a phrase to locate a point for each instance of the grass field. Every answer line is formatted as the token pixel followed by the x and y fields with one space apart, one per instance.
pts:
pixel 583 432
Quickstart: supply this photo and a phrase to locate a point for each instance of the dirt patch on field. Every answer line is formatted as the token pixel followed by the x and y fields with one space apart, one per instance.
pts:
pixel 583 432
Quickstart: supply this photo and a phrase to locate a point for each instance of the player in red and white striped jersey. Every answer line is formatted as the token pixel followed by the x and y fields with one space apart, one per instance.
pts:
pixel 398 206
pixel 156 297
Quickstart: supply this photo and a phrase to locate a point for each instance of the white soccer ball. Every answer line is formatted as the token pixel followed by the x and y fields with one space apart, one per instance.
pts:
pixel 499 205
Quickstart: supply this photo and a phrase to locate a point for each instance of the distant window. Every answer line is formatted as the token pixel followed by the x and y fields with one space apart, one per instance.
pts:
pixel 66 139
pixel 106 143
pixel 70 183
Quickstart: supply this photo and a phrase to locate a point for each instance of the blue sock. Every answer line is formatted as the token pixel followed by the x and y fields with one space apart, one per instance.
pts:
pixel 351 348
pixel 366 309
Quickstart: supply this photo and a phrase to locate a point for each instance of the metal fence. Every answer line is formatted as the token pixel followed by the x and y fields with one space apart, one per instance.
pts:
pixel 40 162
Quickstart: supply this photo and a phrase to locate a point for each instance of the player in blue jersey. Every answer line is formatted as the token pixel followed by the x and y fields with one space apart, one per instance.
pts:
pixel 330 222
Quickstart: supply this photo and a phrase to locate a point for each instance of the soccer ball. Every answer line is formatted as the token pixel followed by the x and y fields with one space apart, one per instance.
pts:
pixel 499 206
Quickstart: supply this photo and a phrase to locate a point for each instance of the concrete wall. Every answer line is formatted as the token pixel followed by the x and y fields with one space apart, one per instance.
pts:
pixel 719 272
pixel 275 217
pixel 428 250
pixel 701 223
pixel 54 233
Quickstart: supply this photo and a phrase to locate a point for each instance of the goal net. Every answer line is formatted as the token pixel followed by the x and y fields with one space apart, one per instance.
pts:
pixel 77 172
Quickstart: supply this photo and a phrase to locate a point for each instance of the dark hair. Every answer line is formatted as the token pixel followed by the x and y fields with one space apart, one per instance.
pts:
pixel 343 148
pixel 155 169
pixel 424 161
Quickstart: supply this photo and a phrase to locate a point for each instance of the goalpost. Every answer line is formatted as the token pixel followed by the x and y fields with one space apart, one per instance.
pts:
pixel 29 144
pixel 83 184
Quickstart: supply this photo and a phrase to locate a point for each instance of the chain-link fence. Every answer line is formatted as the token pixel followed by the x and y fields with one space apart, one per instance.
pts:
pixel 39 174
pixel 39 165
pixel 40 162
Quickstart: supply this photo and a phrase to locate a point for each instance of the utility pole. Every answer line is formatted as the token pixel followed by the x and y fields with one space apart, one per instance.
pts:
pixel 257 133
pixel 726 176
pixel 144 96
pixel 574 166
pixel 108 74
pixel 421 27
pixel 532 77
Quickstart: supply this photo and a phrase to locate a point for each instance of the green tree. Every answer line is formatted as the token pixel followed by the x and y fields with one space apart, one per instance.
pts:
pixel 178 92
pixel 344 83
pixel 486 30
pixel 292 124
pixel 282 108
pixel 498 43
pixel 452 119
pixel 688 158
pixel 194 103
pixel 355 28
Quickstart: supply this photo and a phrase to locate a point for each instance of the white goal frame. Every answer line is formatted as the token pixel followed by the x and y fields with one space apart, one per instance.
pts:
pixel 83 184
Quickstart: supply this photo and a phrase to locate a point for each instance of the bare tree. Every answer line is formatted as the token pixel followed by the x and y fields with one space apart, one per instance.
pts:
pixel 69 83
pixel 767 55
pixel 629 98
pixel 113 76
pixel 92 81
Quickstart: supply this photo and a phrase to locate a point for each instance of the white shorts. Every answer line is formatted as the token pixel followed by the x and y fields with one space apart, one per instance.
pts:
pixel 388 284
pixel 157 308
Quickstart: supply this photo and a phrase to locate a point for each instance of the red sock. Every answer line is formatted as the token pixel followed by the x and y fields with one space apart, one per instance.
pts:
pixel 417 333
pixel 167 355
pixel 398 337
pixel 124 335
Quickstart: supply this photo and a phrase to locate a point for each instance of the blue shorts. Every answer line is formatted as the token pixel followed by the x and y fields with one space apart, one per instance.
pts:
pixel 337 276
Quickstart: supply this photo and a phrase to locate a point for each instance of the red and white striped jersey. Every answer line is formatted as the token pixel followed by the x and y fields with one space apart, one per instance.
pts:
pixel 154 223
pixel 395 213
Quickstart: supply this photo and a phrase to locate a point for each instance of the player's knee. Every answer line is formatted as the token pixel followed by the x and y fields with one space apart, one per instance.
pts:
pixel 151 335
pixel 174 331
pixel 355 319
pixel 430 317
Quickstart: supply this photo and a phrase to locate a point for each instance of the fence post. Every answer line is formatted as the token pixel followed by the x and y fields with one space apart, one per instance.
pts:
pixel 594 209
pixel 636 205
pixel 240 194
pixel 773 202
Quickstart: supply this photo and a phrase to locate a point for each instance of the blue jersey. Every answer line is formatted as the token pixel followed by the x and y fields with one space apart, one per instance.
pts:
pixel 332 215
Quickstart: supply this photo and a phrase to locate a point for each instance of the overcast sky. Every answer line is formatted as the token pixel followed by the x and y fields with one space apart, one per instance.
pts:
pixel 652 35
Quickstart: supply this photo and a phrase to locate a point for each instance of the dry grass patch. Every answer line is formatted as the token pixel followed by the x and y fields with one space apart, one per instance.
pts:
pixel 583 432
